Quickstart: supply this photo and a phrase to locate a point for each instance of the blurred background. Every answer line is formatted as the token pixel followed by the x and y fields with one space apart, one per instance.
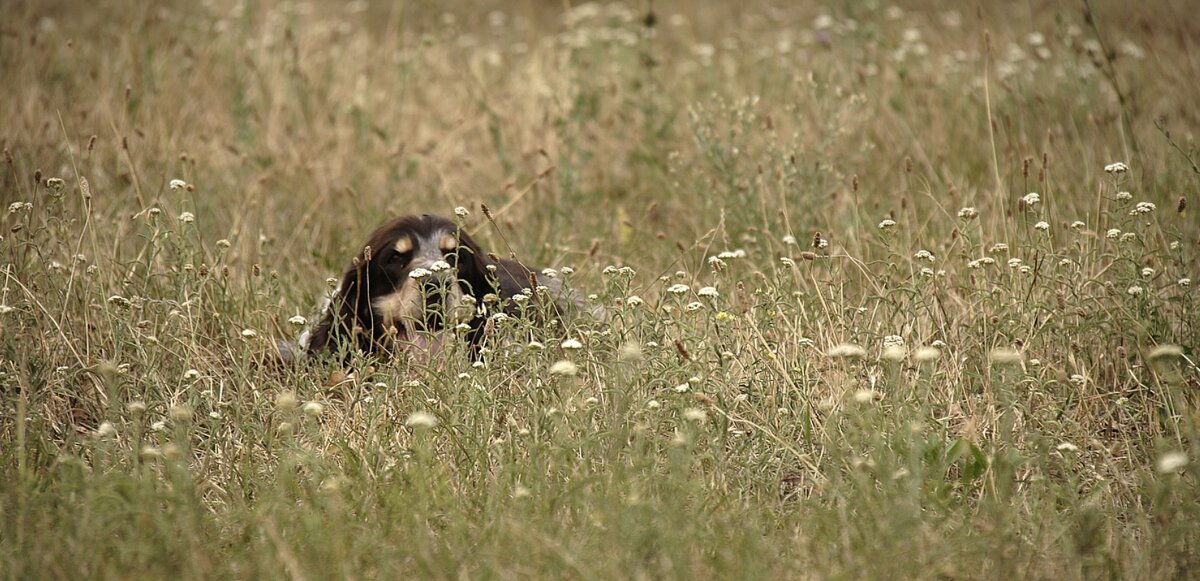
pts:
pixel 615 129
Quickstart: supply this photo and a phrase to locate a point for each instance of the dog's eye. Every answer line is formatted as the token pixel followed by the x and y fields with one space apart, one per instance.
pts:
pixel 399 257
pixel 452 257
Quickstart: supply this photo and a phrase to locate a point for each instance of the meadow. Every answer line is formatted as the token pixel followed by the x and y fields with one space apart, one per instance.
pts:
pixel 891 290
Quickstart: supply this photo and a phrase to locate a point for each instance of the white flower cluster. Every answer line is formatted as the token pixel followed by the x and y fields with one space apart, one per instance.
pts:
pixel 623 271
pixel 1142 208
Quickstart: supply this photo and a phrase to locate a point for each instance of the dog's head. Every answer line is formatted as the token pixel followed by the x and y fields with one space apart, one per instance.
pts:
pixel 410 278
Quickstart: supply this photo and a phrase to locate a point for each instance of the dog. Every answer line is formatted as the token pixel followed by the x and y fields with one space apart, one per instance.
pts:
pixel 415 278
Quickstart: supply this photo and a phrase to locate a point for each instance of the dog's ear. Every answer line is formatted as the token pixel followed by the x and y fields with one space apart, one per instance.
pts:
pixel 347 307
pixel 472 267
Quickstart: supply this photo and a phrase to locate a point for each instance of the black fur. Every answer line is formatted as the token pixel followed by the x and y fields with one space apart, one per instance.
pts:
pixel 378 270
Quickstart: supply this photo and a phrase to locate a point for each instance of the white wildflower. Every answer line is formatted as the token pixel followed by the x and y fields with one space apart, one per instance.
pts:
pixel 571 344
pixel 1031 199
pixel 298 321
pixel 677 289
pixel 187 217
pixel 106 430
pixel 180 413
pixel 1171 462
pixel 1164 352
pixel 419 273
pixel 564 367
pixel 1135 291
pixel 15 207
pixel 846 351
pixel 177 184
pixel 1142 208
pixel 1113 233
pixel 968 213
pixel 461 212
pixel 438 266
pixel 1005 356
pixel 420 419
pixel 886 223
pixel 1042 226
pixel 695 415
pixel 708 291
pixel 249 333
pixel 1116 168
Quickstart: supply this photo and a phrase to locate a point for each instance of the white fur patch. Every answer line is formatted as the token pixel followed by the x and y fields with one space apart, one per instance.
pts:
pixel 407 305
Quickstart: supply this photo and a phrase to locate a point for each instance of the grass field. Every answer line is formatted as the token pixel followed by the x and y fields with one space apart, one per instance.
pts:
pixel 892 291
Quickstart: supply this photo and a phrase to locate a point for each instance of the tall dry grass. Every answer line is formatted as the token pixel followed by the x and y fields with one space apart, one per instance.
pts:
pixel 845 337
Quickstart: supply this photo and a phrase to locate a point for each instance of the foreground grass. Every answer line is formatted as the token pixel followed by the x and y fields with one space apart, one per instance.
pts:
pixel 844 338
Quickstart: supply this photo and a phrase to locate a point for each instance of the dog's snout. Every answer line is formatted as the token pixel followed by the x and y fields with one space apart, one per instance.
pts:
pixel 437 283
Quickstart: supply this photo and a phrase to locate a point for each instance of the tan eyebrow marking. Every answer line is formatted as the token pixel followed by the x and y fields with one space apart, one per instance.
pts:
pixel 404 244
pixel 449 242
